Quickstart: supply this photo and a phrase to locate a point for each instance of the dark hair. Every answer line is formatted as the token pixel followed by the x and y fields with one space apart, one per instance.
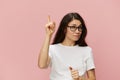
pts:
pixel 60 34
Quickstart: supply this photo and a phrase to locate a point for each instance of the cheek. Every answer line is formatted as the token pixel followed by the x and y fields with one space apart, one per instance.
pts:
pixel 69 33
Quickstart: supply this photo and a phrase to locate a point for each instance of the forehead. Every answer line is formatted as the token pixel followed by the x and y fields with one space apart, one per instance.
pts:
pixel 74 22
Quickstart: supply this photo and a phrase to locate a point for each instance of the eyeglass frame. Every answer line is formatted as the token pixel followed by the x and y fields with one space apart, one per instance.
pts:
pixel 80 28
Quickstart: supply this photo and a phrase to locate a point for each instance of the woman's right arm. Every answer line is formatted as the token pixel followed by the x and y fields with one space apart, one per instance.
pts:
pixel 43 58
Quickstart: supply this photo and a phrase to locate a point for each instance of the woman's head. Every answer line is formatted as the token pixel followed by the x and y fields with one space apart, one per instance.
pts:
pixel 72 26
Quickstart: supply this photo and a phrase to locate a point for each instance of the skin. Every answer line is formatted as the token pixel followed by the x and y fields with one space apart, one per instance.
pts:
pixel 70 38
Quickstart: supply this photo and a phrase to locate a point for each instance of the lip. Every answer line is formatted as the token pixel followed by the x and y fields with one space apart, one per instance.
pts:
pixel 76 35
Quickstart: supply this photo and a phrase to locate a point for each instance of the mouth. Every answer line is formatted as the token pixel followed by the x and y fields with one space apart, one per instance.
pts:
pixel 76 36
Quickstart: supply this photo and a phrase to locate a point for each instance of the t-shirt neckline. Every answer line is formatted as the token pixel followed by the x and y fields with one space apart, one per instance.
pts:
pixel 66 45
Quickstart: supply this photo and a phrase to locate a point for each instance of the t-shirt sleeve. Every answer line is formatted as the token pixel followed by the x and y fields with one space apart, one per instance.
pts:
pixel 50 52
pixel 90 60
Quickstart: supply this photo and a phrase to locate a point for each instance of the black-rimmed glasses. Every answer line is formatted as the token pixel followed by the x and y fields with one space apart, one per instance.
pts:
pixel 74 28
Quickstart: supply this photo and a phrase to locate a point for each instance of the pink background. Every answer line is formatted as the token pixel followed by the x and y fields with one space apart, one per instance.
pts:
pixel 22 32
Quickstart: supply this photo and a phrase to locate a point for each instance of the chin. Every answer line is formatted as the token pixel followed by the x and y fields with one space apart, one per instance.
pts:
pixel 76 39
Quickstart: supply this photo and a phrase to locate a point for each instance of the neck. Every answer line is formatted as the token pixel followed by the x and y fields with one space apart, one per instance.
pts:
pixel 68 43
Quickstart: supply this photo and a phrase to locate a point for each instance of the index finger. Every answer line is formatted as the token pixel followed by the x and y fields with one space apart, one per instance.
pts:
pixel 49 18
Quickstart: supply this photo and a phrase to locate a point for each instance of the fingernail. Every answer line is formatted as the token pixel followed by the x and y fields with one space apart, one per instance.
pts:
pixel 70 68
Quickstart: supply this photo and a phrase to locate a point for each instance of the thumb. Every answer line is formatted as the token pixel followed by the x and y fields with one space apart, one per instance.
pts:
pixel 70 68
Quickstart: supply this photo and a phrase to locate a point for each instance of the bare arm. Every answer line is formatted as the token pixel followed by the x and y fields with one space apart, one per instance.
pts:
pixel 91 74
pixel 43 58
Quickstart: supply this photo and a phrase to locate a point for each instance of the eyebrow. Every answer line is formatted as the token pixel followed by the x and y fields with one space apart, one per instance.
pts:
pixel 75 24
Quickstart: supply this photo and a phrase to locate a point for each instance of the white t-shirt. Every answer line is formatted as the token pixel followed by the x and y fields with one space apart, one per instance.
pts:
pixel 62 57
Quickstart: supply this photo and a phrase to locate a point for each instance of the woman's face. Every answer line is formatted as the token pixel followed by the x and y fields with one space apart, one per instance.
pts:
pixel 74 30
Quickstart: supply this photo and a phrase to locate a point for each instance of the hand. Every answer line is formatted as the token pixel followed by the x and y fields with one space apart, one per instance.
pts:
pixel 74 73
pixel 50 27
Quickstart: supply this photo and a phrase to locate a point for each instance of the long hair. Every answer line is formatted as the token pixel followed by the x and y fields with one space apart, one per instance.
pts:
pixel 60 34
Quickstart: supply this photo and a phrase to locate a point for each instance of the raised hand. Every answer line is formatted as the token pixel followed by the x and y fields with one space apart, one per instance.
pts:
pixel 50 27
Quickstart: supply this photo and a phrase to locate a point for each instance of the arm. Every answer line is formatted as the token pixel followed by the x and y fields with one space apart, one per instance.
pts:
pixel 91 74
pixel 90 67
pixel 44 59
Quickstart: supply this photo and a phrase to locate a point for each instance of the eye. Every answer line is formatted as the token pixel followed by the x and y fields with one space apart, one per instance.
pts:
pixel 80 27
pixel 73 27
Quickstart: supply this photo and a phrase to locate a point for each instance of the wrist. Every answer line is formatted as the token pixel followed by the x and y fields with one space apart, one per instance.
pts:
pixel 76 79
pixel 48 36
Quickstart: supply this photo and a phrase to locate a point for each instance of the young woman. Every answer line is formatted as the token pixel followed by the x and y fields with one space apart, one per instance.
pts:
pixel 69 56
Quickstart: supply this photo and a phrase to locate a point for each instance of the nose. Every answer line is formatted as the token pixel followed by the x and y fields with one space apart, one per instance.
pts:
pixel 77 31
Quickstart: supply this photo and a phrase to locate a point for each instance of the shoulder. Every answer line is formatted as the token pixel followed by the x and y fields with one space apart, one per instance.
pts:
pixel 87 48
pixel 52 46
pixel 89 51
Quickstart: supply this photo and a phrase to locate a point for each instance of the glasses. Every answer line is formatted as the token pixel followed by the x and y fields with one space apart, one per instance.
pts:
pixel 74 28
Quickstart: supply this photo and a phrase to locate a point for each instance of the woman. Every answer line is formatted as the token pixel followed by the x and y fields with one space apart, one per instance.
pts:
pixel 69 57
